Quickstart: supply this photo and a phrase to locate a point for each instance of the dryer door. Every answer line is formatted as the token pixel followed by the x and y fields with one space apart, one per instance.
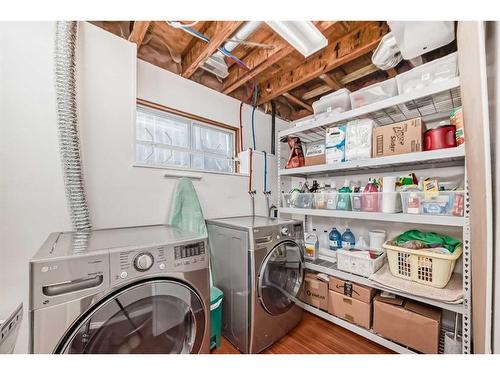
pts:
pixel 156 316
pixel 280 277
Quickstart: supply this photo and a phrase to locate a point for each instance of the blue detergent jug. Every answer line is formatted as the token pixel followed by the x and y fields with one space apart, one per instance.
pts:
pixel 348 239
pixel 335 239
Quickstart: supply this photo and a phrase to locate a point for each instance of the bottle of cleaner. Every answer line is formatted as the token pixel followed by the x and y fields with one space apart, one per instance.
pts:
pixel 335 239
pixel 369 200
pixel 344 197
pixel 348 239
pixel 312 246
pixel 325 240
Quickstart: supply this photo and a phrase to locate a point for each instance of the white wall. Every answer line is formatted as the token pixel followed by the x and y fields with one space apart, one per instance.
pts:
pixel 32 202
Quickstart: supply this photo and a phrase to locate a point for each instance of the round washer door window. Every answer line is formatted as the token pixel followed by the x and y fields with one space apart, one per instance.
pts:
pixel 155 317
pixel 280 277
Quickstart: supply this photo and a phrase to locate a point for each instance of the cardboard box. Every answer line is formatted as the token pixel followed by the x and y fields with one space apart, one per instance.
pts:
pixel 350 309
pixel 400 138
pixel 315 291
pixel 359 292
pixel 315 153
pixel 407 322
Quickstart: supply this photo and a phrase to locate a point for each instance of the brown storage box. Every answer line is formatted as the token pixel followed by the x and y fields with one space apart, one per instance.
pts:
pixel 315 292
pixel 400 138
pixel 360 292
pixel 315 160
pixel 350 309
pixel 407 322
pixel 315 153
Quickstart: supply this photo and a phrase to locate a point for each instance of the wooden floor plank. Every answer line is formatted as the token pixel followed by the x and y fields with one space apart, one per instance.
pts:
pixel 314 335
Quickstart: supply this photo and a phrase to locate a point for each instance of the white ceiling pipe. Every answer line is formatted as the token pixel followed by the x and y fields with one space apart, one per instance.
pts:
pixel 243 33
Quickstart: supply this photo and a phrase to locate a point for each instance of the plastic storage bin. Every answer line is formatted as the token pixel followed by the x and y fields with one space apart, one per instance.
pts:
pixel 374 93
pixel 444 203
pixel 298 200
pixel 436 71
pixel 352 262
pixel 325 201
pixel 216 297
pixel 336 102
pixel 421 266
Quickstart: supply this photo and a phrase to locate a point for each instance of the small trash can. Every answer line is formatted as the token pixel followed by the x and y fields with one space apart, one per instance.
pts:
pixel 216 297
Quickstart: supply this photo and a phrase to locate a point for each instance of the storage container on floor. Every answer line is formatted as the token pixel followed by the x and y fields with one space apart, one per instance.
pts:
pixel 374 93
pixel 422 266
pixel 433 72
pixel 216 297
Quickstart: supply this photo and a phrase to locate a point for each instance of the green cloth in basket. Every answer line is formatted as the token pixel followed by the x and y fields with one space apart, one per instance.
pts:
pixel 430 239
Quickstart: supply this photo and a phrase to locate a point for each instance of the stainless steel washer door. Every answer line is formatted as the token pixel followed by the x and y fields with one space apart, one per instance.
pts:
pixel 280 277
pixel 153 317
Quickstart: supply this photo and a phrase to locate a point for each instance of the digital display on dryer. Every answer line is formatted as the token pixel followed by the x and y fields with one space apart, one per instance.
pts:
pixel 191 250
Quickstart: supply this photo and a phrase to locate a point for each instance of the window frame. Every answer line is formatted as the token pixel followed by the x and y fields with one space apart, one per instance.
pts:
pixel 192 119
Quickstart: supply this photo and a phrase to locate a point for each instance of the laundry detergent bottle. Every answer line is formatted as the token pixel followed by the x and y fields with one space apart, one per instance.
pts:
pixel 344 197
pixel 348 239
pixel 335 239
pixel 369 199
pixel 312 246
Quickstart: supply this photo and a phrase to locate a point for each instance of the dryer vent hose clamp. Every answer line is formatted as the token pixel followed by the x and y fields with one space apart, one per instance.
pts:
pixel 67 123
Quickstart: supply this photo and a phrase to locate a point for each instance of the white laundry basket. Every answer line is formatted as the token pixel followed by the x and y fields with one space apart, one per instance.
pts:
pixel 422 266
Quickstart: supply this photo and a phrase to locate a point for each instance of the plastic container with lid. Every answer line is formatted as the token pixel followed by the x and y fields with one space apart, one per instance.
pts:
pixel 439 70
pixel 336 102
pixel 374 93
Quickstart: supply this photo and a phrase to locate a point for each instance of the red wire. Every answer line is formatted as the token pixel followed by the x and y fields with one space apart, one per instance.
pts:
pixel 241 128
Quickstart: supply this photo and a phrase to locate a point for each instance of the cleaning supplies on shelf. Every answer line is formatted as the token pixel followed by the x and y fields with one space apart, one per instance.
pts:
pixel 348 239
pixel 370 197
pixel 335 144
pixel 331 200
pixel 324 242
pixel 335 239
pixel 377 239
pixel 358 139
pixel 457 119
pixel 389 196
pixel 311 246
pixel 361 244
pixel 344 197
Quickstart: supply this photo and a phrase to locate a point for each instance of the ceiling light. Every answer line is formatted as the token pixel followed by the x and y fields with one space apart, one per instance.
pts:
pixel 302 35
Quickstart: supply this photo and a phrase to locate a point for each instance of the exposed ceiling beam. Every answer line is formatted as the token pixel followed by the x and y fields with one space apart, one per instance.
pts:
pixel 217 32
pixel 139 32
pixel 299 114
pixel 346 49
pixel 330 81
pixel 260 59
pixel 353 76
pixel 296 100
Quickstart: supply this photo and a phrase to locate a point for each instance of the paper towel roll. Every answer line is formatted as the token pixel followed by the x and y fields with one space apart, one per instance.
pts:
pixel 389 194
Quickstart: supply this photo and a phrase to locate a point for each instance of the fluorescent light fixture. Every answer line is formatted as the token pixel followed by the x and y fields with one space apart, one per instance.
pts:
pixel 302 35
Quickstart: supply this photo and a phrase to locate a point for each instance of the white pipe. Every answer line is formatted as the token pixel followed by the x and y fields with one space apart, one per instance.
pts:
pixel 243 33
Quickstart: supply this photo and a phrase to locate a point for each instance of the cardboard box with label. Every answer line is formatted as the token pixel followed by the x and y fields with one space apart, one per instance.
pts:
pixel 407 322
pixel 315 291
pixel 315 153
pixel 400 138
pixel 350 309
pixel 360 292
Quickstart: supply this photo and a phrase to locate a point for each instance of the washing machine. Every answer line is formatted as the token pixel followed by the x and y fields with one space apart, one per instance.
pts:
pixel 127 290
pixel 258 262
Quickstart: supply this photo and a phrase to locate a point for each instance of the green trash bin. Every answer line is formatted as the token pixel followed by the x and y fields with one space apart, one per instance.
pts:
pixel 216 297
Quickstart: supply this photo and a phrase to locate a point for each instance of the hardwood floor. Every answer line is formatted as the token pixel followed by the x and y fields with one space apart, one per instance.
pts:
pixel 315 336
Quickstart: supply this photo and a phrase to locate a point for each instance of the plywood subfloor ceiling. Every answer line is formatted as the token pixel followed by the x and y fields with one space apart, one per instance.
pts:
pixel 282 74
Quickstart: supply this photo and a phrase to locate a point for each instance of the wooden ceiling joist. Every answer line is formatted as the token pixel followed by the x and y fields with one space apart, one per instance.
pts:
pixel 346 49
pixel 217 32
pixel 261 59
pixel 296 100
pixel 330 81
pixel 139 32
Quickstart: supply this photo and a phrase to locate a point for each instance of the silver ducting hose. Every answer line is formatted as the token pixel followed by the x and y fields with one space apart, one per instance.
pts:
pixel 67 123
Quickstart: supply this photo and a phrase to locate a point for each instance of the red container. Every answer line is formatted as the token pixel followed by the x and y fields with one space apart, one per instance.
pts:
pixel 440 137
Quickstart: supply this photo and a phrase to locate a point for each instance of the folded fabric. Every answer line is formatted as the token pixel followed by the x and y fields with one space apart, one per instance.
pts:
pixel 428 239
pixel 186 210
pixel 453 292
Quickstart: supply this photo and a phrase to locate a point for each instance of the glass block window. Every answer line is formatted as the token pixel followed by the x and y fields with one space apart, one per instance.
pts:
pixel 172 140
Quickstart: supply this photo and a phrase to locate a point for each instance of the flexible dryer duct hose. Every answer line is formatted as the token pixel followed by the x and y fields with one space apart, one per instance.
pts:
pixel 67 123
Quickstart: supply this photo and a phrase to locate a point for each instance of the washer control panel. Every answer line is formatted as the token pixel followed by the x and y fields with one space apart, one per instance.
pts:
pixel 125 264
